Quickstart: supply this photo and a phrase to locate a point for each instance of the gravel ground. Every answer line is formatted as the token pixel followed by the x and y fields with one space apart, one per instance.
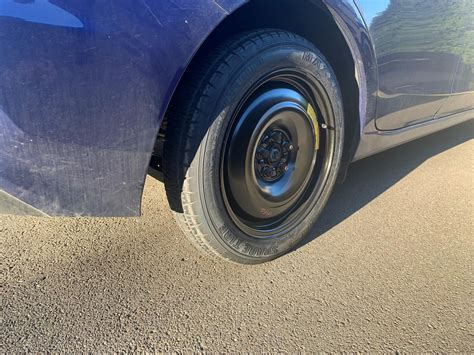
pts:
pixel 390 269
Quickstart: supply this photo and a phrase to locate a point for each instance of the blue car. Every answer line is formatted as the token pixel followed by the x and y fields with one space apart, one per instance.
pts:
pixel 249 111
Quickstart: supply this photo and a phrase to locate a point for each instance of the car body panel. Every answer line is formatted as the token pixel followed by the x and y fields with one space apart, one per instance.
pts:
pixel 462 96
pixel 425 53
pixel 412 121
pixel 420 45
pixel 84 86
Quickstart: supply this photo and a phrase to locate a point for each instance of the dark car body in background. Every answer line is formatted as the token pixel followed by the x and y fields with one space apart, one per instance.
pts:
pixel 85 85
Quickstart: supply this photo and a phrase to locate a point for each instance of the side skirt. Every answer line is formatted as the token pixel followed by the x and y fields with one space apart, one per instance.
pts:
pixel 374 141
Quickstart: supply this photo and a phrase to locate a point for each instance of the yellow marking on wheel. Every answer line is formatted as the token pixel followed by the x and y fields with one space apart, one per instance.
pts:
pixel 314 117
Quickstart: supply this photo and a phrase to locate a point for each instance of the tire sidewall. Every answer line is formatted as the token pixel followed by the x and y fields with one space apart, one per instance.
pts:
pixel 226 237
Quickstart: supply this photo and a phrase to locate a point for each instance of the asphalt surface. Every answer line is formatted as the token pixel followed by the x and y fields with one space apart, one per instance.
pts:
pixel 391 269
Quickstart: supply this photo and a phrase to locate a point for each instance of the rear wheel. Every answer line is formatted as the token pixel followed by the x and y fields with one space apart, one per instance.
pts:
pixel 253 146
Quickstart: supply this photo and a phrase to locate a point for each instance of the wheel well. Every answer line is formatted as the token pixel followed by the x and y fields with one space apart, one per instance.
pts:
pixel 310 20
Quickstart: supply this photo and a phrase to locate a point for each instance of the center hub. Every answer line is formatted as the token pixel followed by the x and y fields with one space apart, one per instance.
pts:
pixel 273 155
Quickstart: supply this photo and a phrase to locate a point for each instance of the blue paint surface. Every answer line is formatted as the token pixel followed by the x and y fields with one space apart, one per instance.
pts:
pixel 84 86
pixel 422 47
pixel 39 11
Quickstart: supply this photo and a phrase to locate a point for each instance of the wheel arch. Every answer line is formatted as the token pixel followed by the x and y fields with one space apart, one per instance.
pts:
pixel 335 27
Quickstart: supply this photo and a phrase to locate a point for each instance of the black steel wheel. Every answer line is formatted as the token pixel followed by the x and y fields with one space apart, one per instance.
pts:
pixel 273 151
pixel 252 157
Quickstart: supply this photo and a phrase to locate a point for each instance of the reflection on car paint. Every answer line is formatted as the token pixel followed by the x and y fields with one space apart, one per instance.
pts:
pixel 421 48
pixel 39 11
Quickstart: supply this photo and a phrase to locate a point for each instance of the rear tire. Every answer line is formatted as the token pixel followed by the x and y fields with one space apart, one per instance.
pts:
pixel 253 146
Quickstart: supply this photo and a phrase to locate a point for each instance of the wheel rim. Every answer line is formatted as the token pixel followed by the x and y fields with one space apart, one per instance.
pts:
pixel 276 155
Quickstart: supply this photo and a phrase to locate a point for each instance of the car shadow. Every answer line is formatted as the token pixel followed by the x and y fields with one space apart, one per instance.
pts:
pixel 370 177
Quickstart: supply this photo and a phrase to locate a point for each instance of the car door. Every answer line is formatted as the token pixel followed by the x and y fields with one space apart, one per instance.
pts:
pixel 462 97
pixel 417 44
